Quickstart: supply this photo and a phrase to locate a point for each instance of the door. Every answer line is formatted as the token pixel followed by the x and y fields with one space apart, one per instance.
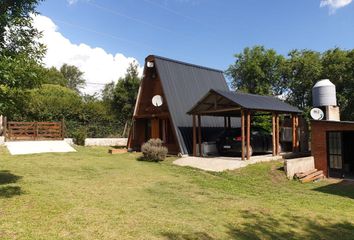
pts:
pixel 155 128
pixel 335 154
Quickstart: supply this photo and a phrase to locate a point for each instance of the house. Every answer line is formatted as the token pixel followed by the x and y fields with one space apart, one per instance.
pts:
pixel 173 93
pixel 168 89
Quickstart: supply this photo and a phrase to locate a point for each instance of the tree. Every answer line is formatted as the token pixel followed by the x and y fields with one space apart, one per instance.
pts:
pixel 17 34
pixel 20 54
pixel 52 103
pixel 258 70
pixel 303 71
pixel 108 93
pixel 54 76
pixel 125 93
pixel 74 77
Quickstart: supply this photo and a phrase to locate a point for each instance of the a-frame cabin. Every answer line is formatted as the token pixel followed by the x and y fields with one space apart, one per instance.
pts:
pixel 168 89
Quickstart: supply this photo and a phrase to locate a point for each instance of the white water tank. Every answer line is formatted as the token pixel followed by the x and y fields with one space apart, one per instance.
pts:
pixel 324 94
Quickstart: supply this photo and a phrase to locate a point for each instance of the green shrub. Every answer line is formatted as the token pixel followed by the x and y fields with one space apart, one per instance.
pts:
pixel 153 150
pixel 79 136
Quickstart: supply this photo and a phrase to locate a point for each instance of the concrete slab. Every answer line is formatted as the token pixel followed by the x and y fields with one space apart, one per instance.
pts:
pixel 219 164
pixel 32 147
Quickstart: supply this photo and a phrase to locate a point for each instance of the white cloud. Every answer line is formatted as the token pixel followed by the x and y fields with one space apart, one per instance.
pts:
pixel 98 65
pixel 333 5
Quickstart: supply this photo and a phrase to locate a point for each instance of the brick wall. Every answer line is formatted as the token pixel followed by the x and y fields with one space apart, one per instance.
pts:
pixel 319 140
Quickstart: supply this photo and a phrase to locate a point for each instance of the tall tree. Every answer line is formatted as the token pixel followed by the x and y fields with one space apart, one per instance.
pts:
pixel 303 70
pixel 74 77
pixel 125 93
pixel 258 70
pixel 20 53
pixel 54 76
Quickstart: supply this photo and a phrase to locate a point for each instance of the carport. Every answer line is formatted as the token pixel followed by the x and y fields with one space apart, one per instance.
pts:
pixel 230 104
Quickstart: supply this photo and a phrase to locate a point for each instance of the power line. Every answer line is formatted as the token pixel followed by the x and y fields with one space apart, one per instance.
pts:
pixel 101 33
pixel 129 17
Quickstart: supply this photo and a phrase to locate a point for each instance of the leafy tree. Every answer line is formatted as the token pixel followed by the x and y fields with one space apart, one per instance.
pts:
pixel 258 70
pixel 125 93
pixel 303 71
pixel 54 76
pixel 52 103
pixel 74 77
pixel 20 54
pixel 108 93
pixel 338 66
pixel 17 34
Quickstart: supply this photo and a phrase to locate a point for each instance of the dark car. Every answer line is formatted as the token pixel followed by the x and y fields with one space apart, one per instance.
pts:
pixel 229 141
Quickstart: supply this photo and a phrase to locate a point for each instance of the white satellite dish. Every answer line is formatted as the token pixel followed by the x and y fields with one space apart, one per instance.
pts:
pixel 316 114
pixel 157 101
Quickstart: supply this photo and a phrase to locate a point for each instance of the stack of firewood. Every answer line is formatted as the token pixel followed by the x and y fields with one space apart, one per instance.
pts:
pixel 309 176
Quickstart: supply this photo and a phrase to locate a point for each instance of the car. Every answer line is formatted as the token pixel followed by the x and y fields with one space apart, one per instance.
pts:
pixel 229 142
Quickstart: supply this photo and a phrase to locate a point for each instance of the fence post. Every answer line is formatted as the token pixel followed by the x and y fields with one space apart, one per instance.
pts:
pixel 62 128
pixel 5 126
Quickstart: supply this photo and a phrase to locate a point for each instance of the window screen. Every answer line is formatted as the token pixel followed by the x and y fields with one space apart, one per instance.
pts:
pixel 335 150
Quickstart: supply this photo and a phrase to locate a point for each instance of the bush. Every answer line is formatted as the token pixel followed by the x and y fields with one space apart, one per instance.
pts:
pixel 79 136
pixel 153 150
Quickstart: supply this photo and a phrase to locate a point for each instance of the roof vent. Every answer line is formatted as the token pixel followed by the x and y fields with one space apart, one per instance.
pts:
pixel 324 94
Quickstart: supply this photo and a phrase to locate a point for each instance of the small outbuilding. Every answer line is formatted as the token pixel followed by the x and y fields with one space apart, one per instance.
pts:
pixel 331 147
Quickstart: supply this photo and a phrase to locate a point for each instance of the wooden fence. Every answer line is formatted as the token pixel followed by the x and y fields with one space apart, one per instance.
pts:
pixel 34 131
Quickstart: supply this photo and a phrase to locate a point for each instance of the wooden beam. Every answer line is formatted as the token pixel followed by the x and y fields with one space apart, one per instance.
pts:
pixel 277 135
pixel 194 137
pixel 273 135
pixel 220 110
pixel 243 135
pixel 200 135
pixel 248 135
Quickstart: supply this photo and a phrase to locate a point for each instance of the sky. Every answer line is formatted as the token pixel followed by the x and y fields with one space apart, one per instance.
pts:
pixel 102 37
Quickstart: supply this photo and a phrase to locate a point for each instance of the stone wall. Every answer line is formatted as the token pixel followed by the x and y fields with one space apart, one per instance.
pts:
pixel 106 142
pixel 295 165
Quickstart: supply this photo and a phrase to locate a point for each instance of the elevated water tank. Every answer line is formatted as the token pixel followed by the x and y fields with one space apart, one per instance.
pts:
pixel 324 94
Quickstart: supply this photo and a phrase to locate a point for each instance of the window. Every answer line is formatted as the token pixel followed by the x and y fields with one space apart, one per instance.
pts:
pixel 335 150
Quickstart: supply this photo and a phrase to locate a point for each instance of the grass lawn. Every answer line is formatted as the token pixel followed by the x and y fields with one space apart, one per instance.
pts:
pixel 93 195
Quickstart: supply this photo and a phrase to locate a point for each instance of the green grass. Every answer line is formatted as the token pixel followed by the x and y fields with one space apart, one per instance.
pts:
pixel 93 195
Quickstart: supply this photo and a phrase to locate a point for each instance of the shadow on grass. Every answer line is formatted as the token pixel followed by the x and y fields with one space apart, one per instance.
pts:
pixel 7 191
pixel 343 188
pixel 7 177
pixel 192 236
pixel 264 226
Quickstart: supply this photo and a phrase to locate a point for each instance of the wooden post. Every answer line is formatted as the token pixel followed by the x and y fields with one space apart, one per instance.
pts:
pixel 35 130
pixel 229 122
pixel 248 135
pixel 294 132
pixel 62 128
pixel 273 134
pixel 277 134
pixel 5 127
pixel 194 137
pixel 242 135
pixel 297 137
pixel 225 122
pixel 200 135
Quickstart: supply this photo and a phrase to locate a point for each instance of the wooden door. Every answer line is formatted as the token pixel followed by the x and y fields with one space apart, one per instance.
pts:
pixel 155 128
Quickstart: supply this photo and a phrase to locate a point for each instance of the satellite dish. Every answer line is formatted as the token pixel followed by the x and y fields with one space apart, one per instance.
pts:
pixel 157 101
pixel 317 114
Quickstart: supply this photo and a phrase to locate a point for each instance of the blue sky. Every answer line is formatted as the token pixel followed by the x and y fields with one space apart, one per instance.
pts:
pixel 205 32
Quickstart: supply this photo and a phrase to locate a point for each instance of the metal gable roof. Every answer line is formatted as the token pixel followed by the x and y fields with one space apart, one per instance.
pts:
pixel 249 101
pixel 183 85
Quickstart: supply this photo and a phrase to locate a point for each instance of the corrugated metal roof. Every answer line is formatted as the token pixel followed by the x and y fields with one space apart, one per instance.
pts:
pixel 183 85
pixel 258 102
